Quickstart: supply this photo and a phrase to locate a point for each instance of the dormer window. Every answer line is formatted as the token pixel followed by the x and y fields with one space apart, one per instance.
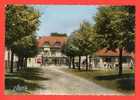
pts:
pixel 46 45
pixel 57 44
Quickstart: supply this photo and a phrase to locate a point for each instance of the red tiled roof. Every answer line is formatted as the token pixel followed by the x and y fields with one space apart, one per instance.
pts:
pixel 105 52
pixel 52 40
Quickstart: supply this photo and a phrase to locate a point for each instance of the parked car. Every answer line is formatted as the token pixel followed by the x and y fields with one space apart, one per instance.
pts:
pixel 39 60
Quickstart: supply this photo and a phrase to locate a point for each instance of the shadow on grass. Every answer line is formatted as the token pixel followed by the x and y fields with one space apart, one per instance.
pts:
pixel 124 82
pixel 10 84
pixel 109 79
pixel 29 74
pixel 114 77
pixel 29 77
pixel 82 70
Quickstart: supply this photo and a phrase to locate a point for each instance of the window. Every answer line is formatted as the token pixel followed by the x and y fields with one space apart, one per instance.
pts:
pixel 108 59
pixel 125 59
pixel 97 59
pixel 46 44
pixel 57 44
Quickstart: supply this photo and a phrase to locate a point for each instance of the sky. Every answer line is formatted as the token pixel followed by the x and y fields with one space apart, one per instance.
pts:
pixel 63 18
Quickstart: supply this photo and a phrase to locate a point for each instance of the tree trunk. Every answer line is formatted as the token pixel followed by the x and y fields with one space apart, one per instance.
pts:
pixel 79 67
pixel 12 61
pixel 25 63
pixel 8 59
pixel 18 63
pixel 21 62
pixel 120 61
pixel 73 62
pixel 86 62
pixel 90 65
pixel 55 61
pixel 69 62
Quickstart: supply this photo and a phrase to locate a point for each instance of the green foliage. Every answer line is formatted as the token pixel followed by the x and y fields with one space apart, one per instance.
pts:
pixel 81 42
pixel 85 39
pixel 115 27
pixel 58 34
pixel 69 48
pixel 115 30
pixel 21 24
pixel 26 46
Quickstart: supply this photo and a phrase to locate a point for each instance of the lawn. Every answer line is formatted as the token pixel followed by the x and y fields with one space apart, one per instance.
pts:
pixel 27 78
pixel 108 79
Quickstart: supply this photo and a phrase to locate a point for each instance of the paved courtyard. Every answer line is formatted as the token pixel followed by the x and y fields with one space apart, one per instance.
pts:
pixel 62 83
pixel 53 80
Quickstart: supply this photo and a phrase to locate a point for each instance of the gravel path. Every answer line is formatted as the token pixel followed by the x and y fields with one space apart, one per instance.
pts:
pixel 62 83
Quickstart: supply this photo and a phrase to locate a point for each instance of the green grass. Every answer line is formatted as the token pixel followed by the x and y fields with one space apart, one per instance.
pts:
pixel 108 79
pixel 29 77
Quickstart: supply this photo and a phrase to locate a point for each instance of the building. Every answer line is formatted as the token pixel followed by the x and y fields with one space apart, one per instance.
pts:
pixel 109 59
pixel 50 52
pixel 50 49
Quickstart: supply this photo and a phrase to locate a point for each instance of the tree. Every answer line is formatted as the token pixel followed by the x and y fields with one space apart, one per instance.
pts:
pixel 25 48
pixel 21 21
pixel 70 50
pixel 115 30
pixel 58 34
pixel 81 43
pixel 85 41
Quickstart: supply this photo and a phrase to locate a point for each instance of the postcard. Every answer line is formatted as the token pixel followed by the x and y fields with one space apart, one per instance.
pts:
pixel 69 49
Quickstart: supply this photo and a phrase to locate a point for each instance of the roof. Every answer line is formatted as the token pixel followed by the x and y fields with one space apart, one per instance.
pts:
pixel 105 52
pixel 52 41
